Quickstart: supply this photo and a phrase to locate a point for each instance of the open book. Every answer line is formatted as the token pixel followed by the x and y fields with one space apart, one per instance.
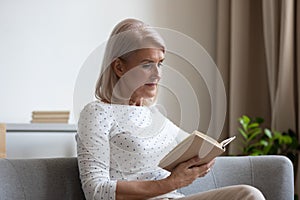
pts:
pixel 195 144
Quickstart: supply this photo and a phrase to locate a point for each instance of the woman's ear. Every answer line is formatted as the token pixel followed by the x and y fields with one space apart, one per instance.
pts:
pixel 118 67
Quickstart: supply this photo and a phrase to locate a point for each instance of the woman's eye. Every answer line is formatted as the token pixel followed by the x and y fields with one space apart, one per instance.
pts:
pixel 148 65
pixel 151 65
pixel 160 64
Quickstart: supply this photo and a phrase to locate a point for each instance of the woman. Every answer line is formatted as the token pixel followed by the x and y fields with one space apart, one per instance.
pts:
pixel 122 136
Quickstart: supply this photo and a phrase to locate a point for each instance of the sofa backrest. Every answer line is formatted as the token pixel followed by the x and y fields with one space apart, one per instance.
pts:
pixel 58 178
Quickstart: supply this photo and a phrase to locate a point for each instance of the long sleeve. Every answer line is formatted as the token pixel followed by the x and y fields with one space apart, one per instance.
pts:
pixel 122 142
pixel 93 152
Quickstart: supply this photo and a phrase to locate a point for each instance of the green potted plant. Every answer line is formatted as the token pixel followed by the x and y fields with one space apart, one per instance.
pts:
pixel 258 141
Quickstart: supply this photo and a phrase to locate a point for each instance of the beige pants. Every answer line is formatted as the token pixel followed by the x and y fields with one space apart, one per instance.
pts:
pixel 237 192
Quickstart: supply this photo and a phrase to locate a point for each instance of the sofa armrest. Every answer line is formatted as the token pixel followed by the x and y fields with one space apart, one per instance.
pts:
pixel 40 179
pixel 272 175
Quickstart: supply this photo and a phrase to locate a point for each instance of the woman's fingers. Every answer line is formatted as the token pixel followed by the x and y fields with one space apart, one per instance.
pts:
pixel 201 170
pixel 203 173
pixel 211 163
pixel 196 161
pixel 191 162
pixel 186 172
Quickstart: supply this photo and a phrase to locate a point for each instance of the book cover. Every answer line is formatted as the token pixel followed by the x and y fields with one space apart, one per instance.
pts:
pixel 196 144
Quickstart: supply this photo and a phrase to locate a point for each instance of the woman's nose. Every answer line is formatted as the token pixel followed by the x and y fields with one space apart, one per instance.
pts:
pixel 156 71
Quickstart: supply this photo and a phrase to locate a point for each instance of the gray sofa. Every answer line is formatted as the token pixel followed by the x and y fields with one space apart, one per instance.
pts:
pixel 57 178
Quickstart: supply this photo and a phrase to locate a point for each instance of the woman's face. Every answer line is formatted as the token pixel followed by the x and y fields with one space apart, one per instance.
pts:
pixel 141 73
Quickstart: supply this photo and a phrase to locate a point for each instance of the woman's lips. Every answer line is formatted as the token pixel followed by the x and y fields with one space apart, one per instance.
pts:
pixel 151 84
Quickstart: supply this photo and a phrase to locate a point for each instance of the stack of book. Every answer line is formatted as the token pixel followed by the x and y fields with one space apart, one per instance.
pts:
pixel 50 116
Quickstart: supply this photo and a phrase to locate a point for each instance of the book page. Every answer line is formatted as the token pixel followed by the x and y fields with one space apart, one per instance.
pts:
pixel 178 150
pixel 224 143
pixel 208 138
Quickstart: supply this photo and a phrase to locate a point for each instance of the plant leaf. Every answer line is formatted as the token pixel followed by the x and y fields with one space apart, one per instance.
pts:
pixel 246 119
pixel 256 152
pixel 268 133
pixel 253 133
pixel 264 142
pixel 287 139
pixel 253 125
pixel 242 132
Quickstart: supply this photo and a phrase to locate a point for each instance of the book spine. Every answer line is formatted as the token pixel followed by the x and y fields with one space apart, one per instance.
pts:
pixel 49 121
pixel 50 116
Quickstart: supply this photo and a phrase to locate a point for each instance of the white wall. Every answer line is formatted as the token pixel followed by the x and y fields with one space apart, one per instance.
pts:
pixel 43 44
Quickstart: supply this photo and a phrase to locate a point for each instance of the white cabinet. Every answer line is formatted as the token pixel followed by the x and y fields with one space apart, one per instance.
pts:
pixel 40 140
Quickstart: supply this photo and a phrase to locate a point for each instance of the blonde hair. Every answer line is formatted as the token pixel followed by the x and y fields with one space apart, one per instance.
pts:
pixel 128 36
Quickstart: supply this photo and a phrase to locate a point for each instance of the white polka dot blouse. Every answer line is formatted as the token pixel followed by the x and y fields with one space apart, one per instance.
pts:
pixel 122 142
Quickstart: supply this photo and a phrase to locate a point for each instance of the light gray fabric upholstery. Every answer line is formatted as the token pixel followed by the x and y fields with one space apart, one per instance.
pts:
pixel 273 175
pixel 38 179
pixel 58 178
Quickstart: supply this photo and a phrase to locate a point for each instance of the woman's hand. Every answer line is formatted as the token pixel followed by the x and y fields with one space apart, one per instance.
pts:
pixel 186 172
